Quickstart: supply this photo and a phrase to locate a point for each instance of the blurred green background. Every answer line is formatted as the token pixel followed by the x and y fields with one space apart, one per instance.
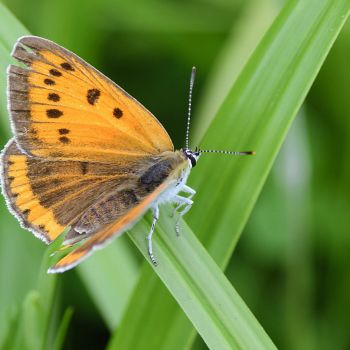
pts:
pixel 292 264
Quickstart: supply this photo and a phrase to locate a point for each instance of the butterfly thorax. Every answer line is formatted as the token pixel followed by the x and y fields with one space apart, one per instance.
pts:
pixel 170 167
pixel 177 178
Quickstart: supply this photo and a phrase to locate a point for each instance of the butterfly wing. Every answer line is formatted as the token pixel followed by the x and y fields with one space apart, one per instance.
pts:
pixel 63 108
pixel 78 137
pixel 104 235
pixel 47 196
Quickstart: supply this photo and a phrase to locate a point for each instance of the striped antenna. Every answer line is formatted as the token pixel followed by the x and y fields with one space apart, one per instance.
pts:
pixel 235 153
pixel 193 76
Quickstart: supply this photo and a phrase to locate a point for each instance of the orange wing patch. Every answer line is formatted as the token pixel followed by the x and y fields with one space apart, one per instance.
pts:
pixel 47 196
pixel 102 237
pixel 20 198
pixel 61 107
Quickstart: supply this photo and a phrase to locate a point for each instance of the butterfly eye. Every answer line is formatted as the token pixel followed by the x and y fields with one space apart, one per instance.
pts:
pixel 193 159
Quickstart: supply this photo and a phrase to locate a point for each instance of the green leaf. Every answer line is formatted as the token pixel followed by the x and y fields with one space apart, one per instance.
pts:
pixel 62 330
pixel 256 114
pixel 10 333
pixel 10 28
pixel 202 290
pixel 253 23
pixel 110 276
pixel 148 337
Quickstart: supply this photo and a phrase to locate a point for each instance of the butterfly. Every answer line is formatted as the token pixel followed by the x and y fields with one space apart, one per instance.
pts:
pixel 86 156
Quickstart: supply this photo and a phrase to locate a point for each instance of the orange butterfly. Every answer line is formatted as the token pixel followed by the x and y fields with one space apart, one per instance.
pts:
pixel 85 154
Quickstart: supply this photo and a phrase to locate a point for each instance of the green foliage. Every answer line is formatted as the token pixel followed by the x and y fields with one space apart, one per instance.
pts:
pixel 256 114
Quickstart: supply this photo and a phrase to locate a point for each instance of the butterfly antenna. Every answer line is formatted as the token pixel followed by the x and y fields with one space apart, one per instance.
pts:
pixel 193 76
pixel 235 153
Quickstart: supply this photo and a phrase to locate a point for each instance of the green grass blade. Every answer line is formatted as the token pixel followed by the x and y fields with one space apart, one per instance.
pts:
pixel 9 340
pixel 145 292
pixel 10 28
pixel 256 114
pixel 36 315
pixel 62 330
pixel 110 276
pixel 253 23
pixel 202 290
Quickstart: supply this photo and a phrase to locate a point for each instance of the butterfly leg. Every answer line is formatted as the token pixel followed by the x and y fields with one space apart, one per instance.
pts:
pixel 188 190
pixel 185 202
pixel 149 237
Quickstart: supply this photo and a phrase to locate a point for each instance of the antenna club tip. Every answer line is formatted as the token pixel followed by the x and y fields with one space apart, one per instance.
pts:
pixel 193 74
pixel 252 153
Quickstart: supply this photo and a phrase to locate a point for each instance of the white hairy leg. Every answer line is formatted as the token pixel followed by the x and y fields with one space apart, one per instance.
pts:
pixel 185 202
pixel 188 190
pixel 155 211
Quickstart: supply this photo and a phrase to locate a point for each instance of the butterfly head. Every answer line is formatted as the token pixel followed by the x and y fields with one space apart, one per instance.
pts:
pixel 192 156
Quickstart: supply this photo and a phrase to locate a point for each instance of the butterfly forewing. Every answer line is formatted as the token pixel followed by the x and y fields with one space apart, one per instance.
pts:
pixel 63 108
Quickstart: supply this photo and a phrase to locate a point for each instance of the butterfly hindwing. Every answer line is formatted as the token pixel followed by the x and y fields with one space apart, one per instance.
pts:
pixel 47 196
pixel 107 233
pixel 20 197
pixel 63 108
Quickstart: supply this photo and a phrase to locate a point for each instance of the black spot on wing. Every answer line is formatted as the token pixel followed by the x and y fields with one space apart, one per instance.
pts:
pixel 26 212
pixel 55 72
pixel 48 81
pixel 42 228
pixel 117 112
pixel 54 113
pixel 64 139
pixel 67 66
pixel 93 95
pixel 63 131
pixel 53 97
